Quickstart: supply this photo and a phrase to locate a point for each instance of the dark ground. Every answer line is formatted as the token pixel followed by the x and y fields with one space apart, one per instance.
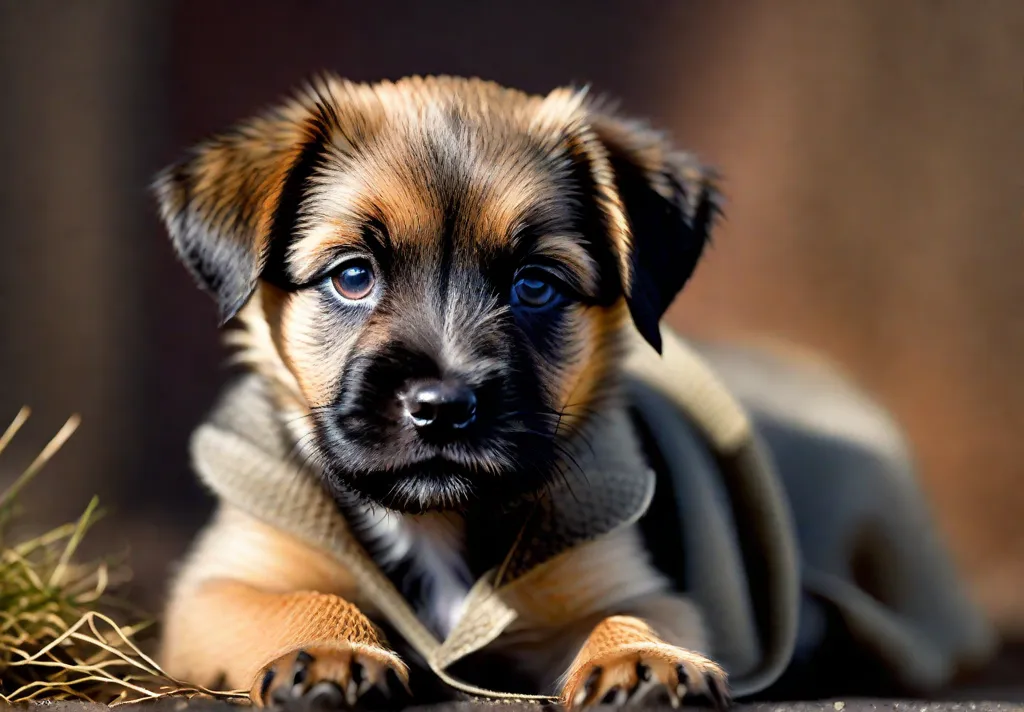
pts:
pixel 867 705
pixel 1000 689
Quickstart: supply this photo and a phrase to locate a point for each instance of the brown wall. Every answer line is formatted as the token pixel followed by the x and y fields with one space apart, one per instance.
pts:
pixel 874 153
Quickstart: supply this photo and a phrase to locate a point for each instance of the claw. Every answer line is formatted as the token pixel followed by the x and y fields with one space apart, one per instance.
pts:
pixel 682 677
pixel 616 696
pixel 642 690
pixel 355 679
pixel 268 679
pixel 589 687
pixel 351 693
pixel 357 672
pixel 364 687
pixel 716 691
pixel 392 681
pixel 301 671
pixel 643 673
pixel 381 686
pixel 631 690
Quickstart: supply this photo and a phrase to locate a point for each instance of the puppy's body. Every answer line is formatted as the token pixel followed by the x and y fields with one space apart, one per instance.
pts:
pixel 210 631
pixel 452 424
pixel 432 279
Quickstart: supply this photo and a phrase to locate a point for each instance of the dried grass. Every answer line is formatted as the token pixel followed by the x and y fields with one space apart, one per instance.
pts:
pixel 58 634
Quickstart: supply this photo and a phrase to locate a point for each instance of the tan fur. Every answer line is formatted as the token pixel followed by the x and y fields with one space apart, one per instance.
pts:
pixel 585 581
pixel 260 594
pixel 597 333
pixel 257 344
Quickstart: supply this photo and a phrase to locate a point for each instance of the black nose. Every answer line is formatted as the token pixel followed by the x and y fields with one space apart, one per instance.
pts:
pixel 439 404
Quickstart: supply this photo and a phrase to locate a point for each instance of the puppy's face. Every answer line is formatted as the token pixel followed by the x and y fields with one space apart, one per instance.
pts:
pixel 444 266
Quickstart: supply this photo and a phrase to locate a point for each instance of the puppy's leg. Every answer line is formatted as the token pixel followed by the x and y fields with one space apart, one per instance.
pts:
pixel 282 645
pixel 624 659
pixel 598 606
pixel 264 612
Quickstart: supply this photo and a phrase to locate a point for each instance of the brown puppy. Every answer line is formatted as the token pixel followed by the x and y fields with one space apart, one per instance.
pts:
pixel 431 278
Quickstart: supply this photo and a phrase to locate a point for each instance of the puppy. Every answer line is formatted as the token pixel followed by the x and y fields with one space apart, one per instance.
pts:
pixel 430 282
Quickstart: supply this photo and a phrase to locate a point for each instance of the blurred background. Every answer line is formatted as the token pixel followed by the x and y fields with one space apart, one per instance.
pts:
pixel 873 154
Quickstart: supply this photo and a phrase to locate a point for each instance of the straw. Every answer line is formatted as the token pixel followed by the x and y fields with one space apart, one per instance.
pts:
pixel 58 639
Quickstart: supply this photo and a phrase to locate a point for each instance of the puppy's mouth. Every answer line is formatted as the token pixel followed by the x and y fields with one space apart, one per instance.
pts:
pixel 443 479
pixel 434 484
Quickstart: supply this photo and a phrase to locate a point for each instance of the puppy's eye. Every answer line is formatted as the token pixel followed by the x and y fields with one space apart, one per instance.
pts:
pixel 534 292
pixel 354 280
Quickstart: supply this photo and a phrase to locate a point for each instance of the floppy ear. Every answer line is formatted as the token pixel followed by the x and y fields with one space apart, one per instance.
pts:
pixel 659 206
pixel 236 196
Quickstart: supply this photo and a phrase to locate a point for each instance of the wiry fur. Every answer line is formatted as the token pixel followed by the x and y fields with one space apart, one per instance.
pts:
pixel 446 187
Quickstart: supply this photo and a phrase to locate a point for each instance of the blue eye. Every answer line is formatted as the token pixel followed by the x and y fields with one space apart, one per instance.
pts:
pixel 533 293
pixel 354 281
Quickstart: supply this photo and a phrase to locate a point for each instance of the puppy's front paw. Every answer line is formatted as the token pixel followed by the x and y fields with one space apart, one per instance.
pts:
pixel 332 677
pixel 624 662
pixel 635 673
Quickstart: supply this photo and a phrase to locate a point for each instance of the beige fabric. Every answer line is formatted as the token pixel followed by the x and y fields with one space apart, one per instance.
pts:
pixel 687 380
pixel 739 533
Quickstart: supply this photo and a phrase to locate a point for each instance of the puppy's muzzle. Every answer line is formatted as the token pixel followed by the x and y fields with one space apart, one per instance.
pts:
pixel 440 407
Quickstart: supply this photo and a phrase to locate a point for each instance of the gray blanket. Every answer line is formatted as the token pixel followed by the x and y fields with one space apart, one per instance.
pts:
pixel 879 606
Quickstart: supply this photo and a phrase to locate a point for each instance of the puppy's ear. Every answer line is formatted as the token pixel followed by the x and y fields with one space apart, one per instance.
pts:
pixel 237 194
pixel 659 206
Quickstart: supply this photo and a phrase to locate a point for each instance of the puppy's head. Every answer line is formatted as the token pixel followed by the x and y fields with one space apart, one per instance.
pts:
pixel 434 272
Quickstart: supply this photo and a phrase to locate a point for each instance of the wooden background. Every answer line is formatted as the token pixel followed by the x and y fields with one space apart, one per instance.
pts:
pixel 873 155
